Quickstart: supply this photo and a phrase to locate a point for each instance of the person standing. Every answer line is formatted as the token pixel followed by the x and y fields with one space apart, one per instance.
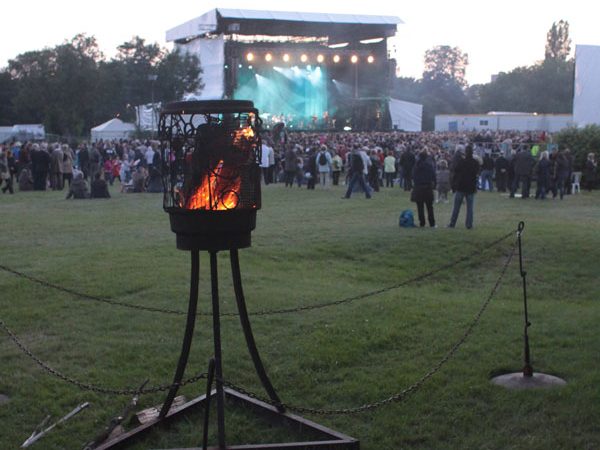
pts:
pixel 543 176
pixel 290 166
pixel 487 173
pixel 407 161
pixel 336 168
pixel 323 160
pixel 56 168
pixel 442 178
pixel 40 165
pixel 265 162
pixel 357 174
pixel 524 163
pixel 424 181
pixel 5 176
pixel 589 171
pixel 501 166
pixel 67 164
pixel 389 169
pixel 464 185
pixel 561 171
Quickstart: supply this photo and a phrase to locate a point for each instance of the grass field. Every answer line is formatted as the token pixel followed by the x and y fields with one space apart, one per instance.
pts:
pixel 309 248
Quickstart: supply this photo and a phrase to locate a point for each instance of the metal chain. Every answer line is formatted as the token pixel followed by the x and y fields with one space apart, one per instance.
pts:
pixel 414 279
pixel 160 388
pixel 92 297
pixel 408 390
pixel 91 387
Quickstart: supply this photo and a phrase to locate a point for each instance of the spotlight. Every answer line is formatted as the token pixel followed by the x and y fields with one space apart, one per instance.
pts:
pixel 250 67
pixel 250 56
pixel 320 58
pixel 336 59
pixel 354 59
pixel 268 57
pixel 303 58
pixel 286 57
pixel 370 59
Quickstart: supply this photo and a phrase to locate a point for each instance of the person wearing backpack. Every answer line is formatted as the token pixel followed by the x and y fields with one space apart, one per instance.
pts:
pixel 323 165
pixel 357 173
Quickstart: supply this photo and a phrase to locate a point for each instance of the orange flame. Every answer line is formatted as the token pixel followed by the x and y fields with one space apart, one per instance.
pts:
pixel 216 192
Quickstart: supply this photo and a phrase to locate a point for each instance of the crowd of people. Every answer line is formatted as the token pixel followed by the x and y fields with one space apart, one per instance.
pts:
pixel 428 165
pixel 41 165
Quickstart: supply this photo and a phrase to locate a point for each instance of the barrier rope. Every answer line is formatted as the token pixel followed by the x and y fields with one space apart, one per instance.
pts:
pixel 302 308
pixel 408 390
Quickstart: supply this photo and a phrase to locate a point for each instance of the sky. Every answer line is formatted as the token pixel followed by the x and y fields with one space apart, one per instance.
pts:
pixel 497 35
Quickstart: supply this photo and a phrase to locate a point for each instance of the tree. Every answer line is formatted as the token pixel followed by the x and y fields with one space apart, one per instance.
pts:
pixel 8 89
pixel 446 63
pixel 543 88
pixel 558 43
pixel 140 62
pixel 178 74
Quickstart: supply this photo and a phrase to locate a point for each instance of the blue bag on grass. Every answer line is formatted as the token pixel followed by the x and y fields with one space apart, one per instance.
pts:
pixel 407 219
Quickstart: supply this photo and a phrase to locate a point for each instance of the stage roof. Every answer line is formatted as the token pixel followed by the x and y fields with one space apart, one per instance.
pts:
pixel 285 23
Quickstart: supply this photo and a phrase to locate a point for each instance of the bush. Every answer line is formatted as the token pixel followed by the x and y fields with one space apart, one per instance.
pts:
pixel 581 141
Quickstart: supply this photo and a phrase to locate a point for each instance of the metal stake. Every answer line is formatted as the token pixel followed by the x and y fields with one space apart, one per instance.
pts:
pixel 209 383
pixel 214 281
pixel 241 304
pixel 527 369
pixel 188 336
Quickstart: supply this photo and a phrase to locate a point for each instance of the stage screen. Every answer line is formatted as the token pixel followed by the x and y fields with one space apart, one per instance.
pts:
pixel 587 85
pixel 296 95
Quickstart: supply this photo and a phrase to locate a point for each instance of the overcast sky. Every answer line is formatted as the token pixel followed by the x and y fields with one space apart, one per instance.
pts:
pixel 497 35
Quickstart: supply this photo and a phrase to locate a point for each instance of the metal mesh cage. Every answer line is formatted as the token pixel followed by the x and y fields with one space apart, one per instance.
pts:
pixel 210 166
pixel 211 153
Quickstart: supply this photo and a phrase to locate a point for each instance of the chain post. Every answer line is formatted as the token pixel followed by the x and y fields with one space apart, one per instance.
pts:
pixel 527 368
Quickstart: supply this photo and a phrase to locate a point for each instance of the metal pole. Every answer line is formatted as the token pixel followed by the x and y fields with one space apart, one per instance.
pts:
pixel 527 369
pixel 241 304
pixel 209 383
pixel 188 336
pixel 214 281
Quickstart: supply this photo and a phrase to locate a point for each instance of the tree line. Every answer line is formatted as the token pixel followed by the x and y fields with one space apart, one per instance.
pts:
pixel 544 87
pixel 71 87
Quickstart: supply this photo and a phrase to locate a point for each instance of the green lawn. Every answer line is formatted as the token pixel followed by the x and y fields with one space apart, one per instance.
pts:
pixel 309 248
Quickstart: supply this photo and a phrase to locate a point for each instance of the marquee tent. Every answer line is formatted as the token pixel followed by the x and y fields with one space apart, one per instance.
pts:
pixel 113 129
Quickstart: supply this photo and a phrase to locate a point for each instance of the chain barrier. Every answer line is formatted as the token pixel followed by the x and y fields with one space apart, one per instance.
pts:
pixel 91 387
pixel 408 390
pixel 396 397
pixel 267 312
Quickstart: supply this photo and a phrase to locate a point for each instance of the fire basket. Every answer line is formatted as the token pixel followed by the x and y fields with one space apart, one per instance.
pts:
pixel 210 155
pixel 211 151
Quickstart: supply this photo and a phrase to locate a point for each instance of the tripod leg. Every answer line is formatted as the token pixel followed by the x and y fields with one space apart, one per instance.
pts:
pixel 214 280
pixel 188 336
pixel 241 304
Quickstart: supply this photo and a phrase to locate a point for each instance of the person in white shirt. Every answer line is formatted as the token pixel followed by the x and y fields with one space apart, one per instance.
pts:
pixel 267 162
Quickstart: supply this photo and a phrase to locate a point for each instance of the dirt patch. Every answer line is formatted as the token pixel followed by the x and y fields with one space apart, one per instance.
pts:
pixel 4 399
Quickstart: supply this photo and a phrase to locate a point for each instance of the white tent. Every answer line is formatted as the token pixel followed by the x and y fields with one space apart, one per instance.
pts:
pixel 113 129
pixel 406 116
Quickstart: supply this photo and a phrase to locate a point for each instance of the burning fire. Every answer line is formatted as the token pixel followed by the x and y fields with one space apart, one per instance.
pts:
pixel 217 191
pixel 220 186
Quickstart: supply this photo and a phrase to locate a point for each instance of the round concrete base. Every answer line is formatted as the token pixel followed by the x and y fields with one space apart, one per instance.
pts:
pixel 518 381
